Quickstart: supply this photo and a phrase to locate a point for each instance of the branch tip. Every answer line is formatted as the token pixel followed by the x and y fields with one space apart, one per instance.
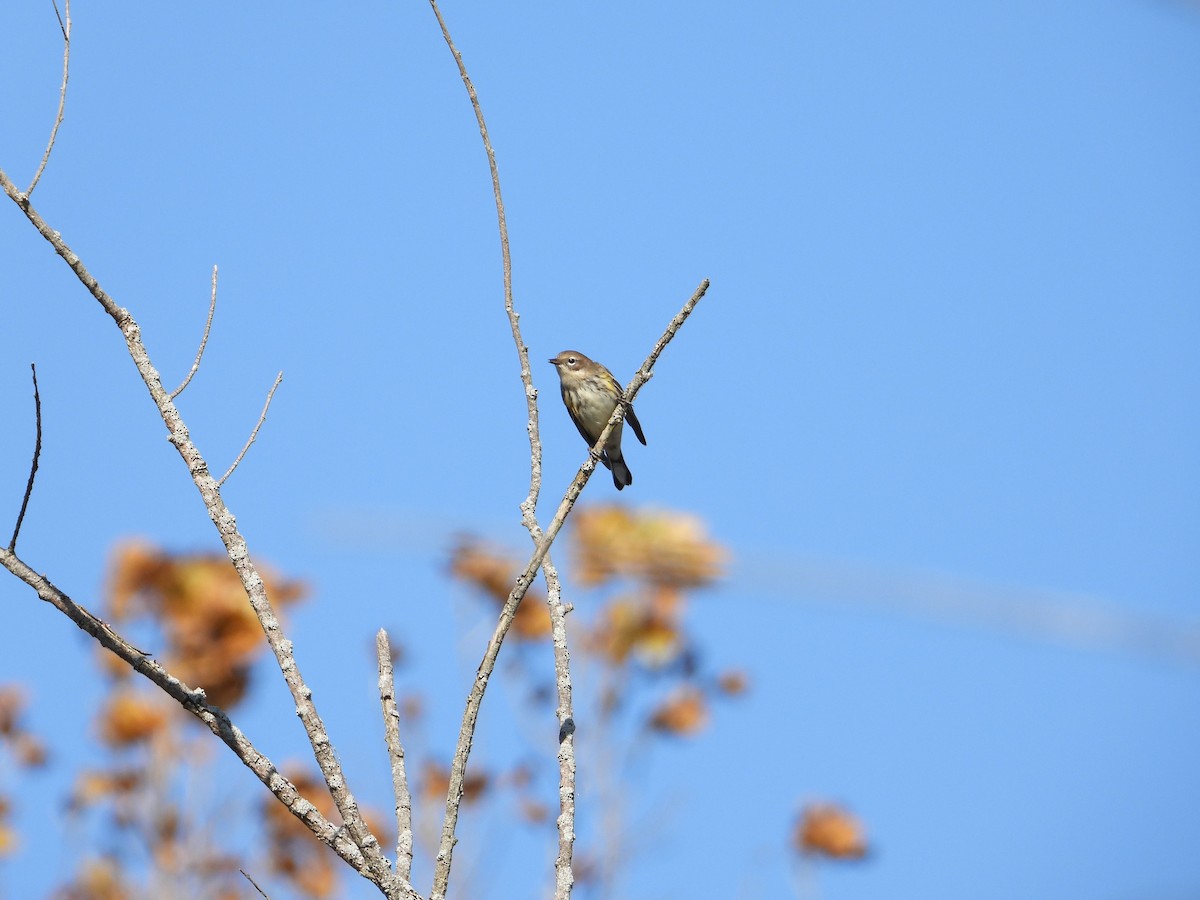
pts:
pixel 62 98
pixel 391 736
pixel 253 882
pixel 33 467
pixel 253 434
pixel 212 308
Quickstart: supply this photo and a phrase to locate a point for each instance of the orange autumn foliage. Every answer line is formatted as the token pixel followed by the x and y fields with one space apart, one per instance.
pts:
pixel 683 714
pixel 827 830
pixel 493 574
pixel 661 548
pixel 212 635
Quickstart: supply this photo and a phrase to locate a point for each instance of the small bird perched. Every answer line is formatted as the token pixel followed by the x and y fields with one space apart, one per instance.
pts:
pixel 591 394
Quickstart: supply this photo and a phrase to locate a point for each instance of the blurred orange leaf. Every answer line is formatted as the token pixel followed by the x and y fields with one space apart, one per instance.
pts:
pixel 825 829
pixel 211 631
pixel 12 701
pixel 8 837
pixel 627 627
pixel 131 717
pixel 99 880
pixel 92 786
pixel 733 682
pixel 435 782
pixel 26 749
pixel 668 549
pixel 495 575
pixel 411 708
pixel 534 812
pixel 685 713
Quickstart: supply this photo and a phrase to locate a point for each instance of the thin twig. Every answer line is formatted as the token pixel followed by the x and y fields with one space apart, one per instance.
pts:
pixel 212 308
pixel 33 467
pixel 255 883
pixel 529 506
pixel 526 377
pixel 378 869
pixel 261 418
pixel 62 93
pixel 524 580
pixel 564 877
pixel 391 736
pixel 195 702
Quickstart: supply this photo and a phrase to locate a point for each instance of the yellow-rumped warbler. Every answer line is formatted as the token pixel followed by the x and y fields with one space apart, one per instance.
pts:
pixel 591 394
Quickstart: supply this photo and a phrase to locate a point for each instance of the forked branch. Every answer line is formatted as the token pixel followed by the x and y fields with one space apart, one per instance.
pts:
pixel 524 580
pixel 376 865
pixel 563 872
pixel 195 702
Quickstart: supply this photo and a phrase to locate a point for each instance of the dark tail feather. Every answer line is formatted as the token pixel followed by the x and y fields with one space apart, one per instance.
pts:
pixel 635 424
pixel 621 474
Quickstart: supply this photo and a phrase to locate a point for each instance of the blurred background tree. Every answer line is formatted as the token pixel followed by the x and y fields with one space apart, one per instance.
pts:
pixel 145 826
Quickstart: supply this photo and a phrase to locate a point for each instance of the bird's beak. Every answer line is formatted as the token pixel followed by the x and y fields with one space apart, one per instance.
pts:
pixel 553 362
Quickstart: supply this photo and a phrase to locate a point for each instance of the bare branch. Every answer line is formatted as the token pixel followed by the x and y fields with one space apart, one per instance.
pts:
pixel 564 877
pixel 195 702
pixel 391 736
pixel 212 308
pixel 58 15
pixel 255 883
pixel 261 418
pixel 235 546
pixel 475 697
pixel 528 508
pixel 564 874
pixel 37 452
pixel 522 351
pixel 62 93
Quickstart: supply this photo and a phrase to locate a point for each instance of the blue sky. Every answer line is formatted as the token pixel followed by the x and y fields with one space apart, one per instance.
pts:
pixel 946 375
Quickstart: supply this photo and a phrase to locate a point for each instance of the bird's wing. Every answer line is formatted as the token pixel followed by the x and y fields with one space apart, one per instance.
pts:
pixel 587 439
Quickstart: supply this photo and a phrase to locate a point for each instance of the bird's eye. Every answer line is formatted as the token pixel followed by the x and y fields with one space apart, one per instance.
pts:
pixel 571 360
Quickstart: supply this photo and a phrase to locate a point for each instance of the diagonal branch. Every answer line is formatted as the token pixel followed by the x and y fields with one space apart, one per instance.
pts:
pixel 253 434
pixel 195 702
pixel 62 93
pixel 239 555
pixel 524 580
pixel 212 308
pixel 261 892
pixel 37 452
